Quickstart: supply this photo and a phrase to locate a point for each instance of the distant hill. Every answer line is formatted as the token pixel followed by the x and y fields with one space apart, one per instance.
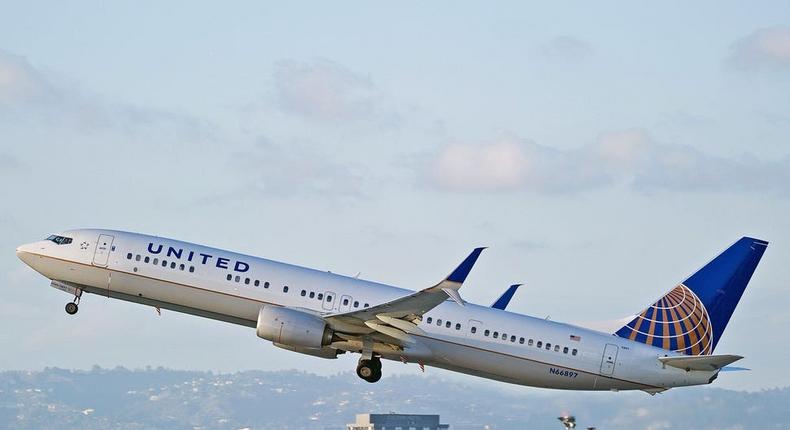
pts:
pixel 172 399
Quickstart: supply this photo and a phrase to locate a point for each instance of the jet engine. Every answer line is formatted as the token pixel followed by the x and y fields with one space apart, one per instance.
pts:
pixel 292 327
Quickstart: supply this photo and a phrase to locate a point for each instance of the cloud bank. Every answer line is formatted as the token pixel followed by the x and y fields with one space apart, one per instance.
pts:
pixel 627 157
pixel 767 48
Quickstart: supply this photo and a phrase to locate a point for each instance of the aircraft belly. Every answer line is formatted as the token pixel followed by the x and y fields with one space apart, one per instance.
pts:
pixel 204 299
pixel 480 361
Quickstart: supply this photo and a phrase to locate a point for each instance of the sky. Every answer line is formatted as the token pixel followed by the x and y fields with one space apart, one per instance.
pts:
pixel 602 151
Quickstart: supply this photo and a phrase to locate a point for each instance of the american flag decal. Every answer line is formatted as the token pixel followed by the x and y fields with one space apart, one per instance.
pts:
pixel 576 338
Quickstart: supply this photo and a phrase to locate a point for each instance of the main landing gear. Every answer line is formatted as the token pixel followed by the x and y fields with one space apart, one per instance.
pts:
pixel 369 370
pixel 73 306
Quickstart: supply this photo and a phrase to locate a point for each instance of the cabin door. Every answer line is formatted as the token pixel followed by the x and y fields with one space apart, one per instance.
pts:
pixel 102 252
pixel 609 359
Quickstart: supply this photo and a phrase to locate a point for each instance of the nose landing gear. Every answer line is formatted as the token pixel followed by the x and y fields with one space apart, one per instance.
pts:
pixel 369 370
pixel 73 306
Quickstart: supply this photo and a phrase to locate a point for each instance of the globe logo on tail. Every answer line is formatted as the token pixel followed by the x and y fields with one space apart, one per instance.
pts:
pixel 677 322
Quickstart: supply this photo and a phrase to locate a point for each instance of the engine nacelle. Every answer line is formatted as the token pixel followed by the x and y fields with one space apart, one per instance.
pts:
pixel 292 327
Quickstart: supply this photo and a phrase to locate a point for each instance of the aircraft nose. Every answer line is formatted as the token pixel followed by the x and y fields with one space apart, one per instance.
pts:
pixel 23 250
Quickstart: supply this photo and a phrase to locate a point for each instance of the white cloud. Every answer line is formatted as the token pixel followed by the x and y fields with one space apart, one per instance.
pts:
pixel 509 163
pixel 629 157
pixel 324 90
pixel 767 48
pixel 29 97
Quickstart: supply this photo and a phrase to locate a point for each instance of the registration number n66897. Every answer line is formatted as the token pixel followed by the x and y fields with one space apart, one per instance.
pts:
pixel 563 372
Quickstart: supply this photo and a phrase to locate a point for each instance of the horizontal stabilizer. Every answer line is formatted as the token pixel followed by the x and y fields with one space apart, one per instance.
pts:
pixel 703 362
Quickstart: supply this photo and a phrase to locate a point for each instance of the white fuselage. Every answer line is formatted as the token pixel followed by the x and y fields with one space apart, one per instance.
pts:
pixel 232 287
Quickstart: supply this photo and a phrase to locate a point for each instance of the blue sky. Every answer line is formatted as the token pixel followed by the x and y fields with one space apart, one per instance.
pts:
pixel 602 151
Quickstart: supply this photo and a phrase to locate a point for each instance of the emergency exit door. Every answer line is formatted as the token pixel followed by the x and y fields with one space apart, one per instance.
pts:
pixel 609 359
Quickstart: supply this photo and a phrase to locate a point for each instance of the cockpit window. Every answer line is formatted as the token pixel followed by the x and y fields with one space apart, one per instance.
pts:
pixel 60 240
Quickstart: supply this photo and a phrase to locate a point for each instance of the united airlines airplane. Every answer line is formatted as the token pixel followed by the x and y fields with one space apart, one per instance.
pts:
pixel 669 344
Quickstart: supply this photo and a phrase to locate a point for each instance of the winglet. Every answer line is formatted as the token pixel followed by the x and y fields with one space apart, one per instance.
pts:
pixel 462 271
pixel 504 299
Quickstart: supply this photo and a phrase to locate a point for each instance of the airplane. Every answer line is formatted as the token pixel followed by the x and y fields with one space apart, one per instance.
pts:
pixel 669 344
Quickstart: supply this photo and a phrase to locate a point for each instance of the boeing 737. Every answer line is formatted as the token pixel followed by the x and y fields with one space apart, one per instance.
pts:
pixel 668 344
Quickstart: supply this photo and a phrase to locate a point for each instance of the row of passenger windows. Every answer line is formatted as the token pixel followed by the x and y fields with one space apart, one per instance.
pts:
pixel 303 293
pixel 503 336
pixel 155 262
pixel 447 324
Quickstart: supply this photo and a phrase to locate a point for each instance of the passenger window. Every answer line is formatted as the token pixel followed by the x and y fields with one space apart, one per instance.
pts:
pixel 366 305
pixel 238 278
pixel 439 322
pixel 312 295
pixel 512 338
pixel 229 277
pixel 356 304
pixel 448 324
pixel 486 333
pixel 129 256
pixel 504 336
pixel 285 289
pixel 529 343
pixel 257 283
pixel 173 265
pixel 565 350
pixel 181 267
pixel 320 296
pixel 548 346
pixel 496 335
pixel 147 259
pixel 303 293
pixel 191 269
pixel 539 344
pixel 156 261
pixel 575 351
pixel 521 340
pixel 329 298
pixel 246 281
pixel 345 302
pixel 429 320
pixel 556 348
pixel 266 284
pixel 137 257
pixel 164 263
pixel 457 326
pixel 474 330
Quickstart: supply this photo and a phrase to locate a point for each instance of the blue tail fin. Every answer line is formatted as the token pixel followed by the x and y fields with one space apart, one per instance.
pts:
pixel 692 317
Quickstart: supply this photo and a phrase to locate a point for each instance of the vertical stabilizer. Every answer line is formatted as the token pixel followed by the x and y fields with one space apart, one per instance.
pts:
pixel 692 317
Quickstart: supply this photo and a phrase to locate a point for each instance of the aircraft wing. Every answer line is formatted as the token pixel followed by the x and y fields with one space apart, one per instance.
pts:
pixel 399 317
pixel 700 362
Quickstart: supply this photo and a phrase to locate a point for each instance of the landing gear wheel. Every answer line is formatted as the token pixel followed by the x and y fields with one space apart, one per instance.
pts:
pixel 369 370
pixel 71 308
